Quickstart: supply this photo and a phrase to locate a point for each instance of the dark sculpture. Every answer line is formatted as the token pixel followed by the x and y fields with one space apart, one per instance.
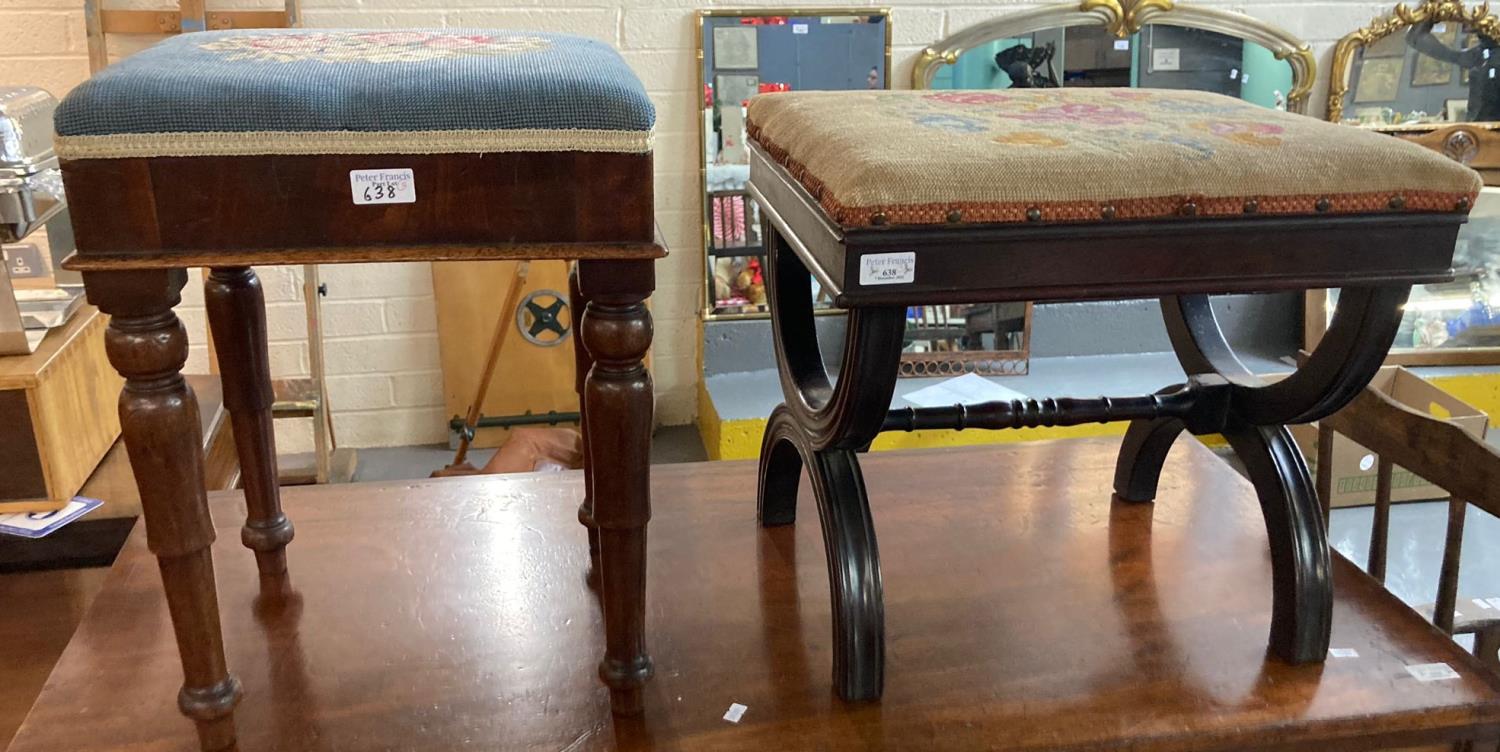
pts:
pixel 1029 67
pixel 1481 60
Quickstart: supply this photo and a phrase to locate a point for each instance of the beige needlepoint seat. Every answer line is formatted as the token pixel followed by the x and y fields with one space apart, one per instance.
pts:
pixel 1080 155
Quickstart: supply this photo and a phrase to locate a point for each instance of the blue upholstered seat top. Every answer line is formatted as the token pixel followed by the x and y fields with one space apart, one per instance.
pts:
pixel 304 91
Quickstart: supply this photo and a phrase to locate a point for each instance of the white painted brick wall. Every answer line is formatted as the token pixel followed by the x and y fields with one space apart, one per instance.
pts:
pixel 379 321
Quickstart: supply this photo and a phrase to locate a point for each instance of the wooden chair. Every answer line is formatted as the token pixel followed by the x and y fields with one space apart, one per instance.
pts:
pixel 1445 455
pixel 240 148
pixel 895 199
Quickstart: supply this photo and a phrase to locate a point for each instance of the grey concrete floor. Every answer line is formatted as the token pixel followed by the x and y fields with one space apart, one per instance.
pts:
pixel 1415 553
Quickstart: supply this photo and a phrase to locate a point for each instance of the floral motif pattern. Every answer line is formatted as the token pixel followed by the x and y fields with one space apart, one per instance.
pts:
pixel 371 46
pixel 950 122
pixel 894 158
pixel 1030 138
pixel 1250 134
pixel 1077 112
pixel 1123 117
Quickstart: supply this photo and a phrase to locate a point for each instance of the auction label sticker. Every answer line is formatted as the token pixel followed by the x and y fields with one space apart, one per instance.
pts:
pixel 392 186
pixel 1427 672
pixel 888 268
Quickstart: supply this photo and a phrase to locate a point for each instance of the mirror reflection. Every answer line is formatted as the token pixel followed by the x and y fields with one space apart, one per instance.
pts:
pixel 1430 73
pixel 1466 311
pixel 947 340
pixel 1159 56
pixel 748 55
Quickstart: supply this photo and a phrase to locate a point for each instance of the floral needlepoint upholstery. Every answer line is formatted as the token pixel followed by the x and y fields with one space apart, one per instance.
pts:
pixel 1072 155
pixel 320 91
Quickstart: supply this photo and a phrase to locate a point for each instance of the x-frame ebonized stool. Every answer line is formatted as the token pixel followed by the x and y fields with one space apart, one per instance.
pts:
pixel 269 177
pixel 823 425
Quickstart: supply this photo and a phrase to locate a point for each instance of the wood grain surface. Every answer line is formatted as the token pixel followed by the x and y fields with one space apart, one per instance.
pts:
pixel 1024 610
pixel 168 206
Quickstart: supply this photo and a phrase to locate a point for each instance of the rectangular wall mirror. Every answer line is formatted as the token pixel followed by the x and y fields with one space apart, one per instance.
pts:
pixel 744 53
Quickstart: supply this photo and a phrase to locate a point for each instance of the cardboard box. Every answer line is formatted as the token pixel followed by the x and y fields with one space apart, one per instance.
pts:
pixel 1354 466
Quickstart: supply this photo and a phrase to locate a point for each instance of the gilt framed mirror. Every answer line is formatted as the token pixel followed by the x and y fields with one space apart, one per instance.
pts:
pixel 741 53
pixel 1429 72
pixel 1148 43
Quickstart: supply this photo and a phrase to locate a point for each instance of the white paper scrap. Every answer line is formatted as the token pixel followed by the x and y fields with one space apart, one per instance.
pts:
pixel 1343 653
pixel 968 389
pixel 1427 672
pixel 736 712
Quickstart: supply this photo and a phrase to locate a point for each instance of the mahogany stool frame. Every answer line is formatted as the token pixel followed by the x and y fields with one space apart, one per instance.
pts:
pixel 140 223
pixel 824 425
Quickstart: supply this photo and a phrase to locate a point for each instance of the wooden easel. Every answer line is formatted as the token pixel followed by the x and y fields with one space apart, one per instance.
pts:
pixel 295 398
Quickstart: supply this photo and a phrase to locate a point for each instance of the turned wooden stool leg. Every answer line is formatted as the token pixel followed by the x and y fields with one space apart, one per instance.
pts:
pixel 237 315
pixel 582 362
pixel 618 399
pixel 159 418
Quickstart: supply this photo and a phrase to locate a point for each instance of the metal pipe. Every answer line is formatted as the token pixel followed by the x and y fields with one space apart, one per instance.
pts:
pixel 549 418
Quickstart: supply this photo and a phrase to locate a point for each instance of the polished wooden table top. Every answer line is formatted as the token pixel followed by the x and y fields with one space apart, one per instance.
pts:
pixel 1024 612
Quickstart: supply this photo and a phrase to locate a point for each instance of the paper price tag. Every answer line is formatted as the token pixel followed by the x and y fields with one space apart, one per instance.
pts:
pixel 736 712
pixel 1343 653
pixel 393 186
pixel 888 268
pixel 1429 672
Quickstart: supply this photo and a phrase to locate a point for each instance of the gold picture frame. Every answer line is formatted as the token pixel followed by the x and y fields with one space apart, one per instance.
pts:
pixel 1380 79
pixel 1124 18
pixel 1477 20
pixel 1428 71
pixel 1460 141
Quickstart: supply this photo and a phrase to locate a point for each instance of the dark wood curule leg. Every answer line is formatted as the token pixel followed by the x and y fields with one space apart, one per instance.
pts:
pixel 780 472
pixel 854 580
pixel 824 425
pixel 159 416
pixel 582 362
pixel 237 316
pixel 1302 588
pixel 1257 412
pixel 618 398
pixel 1142 455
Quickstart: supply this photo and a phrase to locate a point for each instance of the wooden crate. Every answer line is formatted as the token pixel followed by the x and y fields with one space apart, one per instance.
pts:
pixel 58 415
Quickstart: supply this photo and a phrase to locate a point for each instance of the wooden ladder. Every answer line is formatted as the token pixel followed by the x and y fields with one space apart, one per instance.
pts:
pixel 295 398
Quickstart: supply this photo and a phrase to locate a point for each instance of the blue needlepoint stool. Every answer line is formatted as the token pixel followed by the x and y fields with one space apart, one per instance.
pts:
pixel 232 149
